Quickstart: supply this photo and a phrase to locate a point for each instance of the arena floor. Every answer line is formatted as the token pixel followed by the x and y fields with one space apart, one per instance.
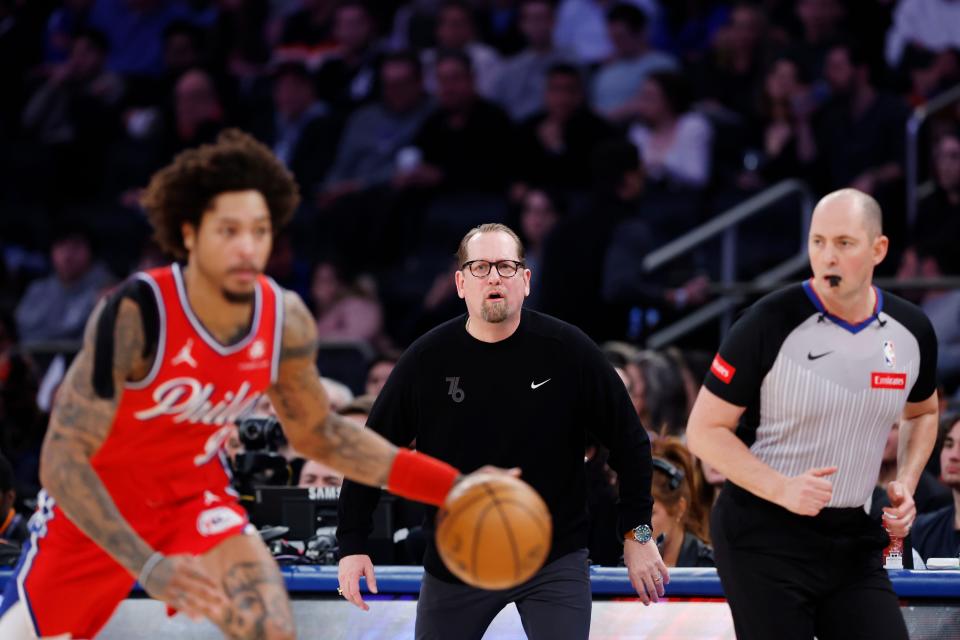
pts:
pixel 329 619
pixel 386 620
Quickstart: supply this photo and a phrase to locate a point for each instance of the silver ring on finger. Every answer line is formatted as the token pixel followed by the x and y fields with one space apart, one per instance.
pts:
pixel 658 579
pixel 339 591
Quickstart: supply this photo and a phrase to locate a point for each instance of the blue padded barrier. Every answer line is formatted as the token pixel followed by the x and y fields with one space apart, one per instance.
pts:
pixel 607 581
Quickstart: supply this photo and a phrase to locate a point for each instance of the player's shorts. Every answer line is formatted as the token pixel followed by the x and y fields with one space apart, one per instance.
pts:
pixel 71 585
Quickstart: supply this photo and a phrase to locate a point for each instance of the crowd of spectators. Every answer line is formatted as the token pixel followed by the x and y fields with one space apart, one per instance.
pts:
pixel 599 129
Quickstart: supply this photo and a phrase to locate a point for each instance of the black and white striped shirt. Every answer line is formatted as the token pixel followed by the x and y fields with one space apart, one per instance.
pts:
pixel 820 391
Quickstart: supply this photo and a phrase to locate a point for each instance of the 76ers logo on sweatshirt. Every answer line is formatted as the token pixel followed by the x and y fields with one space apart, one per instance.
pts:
pixel 188 400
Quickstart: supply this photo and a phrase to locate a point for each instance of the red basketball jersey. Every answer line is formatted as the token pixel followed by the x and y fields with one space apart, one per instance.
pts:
pixel 162 463
pixel 167 436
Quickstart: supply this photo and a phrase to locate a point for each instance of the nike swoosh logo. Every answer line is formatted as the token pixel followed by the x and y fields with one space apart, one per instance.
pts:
pixel 810 356
pixel 534 385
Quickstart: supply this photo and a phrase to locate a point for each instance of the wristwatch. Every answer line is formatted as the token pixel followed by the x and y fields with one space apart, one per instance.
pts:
pixel 641 533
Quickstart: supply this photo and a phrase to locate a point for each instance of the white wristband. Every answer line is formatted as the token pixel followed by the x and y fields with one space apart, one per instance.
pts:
pixel 149 566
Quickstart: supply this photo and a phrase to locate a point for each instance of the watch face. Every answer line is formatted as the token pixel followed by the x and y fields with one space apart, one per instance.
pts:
pixel 643 533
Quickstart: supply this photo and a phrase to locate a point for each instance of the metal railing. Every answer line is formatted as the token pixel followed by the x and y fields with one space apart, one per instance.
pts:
pixel 726 225
pixel 914 124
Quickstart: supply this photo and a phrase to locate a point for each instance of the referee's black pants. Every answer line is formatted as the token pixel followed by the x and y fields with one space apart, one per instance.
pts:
pixel 788 576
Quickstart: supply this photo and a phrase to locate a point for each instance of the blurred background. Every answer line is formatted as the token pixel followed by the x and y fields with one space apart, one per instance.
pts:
pixel 659 159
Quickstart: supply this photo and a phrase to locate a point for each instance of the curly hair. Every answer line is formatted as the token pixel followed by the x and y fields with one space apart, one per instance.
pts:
pixel 185 189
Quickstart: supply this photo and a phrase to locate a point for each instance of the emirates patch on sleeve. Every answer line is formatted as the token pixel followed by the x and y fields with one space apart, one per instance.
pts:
pixel 722 369
pixel 880 380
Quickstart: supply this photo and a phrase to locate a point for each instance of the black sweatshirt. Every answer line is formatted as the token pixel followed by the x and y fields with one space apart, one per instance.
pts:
pixel 526 402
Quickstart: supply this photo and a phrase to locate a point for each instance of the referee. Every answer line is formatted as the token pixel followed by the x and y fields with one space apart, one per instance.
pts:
pixel 511 389
pixel 795 412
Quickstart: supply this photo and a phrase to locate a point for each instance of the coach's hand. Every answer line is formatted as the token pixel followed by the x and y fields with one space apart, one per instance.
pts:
pixel 182 582
pixel 645 567
pixel 807 493
pixel 348 575
pixel 899 516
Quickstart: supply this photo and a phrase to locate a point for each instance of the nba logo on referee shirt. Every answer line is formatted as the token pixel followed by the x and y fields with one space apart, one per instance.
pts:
pixel 889 355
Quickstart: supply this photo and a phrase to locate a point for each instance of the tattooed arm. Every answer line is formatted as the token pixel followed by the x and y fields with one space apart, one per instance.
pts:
pixel 79 424
pixel 304 409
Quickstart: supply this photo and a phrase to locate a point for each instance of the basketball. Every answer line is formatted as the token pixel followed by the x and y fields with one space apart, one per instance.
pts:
pixel 494 531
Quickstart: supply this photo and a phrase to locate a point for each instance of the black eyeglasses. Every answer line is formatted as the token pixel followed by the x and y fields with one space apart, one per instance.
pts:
pixel 481 268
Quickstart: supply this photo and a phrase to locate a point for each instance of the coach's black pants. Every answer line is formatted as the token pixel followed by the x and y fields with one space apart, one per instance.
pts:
pixel 554 604
pixel 789 576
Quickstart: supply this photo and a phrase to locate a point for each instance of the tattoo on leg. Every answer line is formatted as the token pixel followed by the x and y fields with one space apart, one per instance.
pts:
pixel 258 603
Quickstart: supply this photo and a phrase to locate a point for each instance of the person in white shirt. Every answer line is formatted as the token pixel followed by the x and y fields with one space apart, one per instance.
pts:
pixel 674 143
pixel 931 24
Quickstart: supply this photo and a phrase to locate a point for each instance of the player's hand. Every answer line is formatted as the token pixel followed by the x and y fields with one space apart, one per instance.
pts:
pixel 646 569
pixel 899 516
pixel 182 582
pixel 348 575
pixel 807 493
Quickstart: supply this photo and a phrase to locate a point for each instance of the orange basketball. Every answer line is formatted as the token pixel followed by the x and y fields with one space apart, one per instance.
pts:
pixel 494 531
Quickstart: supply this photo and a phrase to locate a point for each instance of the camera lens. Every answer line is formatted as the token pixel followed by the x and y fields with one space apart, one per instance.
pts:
pixel 251 430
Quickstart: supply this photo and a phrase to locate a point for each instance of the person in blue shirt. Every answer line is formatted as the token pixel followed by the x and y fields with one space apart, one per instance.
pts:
pixel 937 534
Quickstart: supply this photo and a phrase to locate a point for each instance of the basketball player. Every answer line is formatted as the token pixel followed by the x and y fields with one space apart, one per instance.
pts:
pixel 815 374
pixel 517 388
pixel 134 482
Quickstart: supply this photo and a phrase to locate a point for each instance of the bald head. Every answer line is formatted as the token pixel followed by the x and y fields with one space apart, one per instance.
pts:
pixel 853 205
pixel 846 242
